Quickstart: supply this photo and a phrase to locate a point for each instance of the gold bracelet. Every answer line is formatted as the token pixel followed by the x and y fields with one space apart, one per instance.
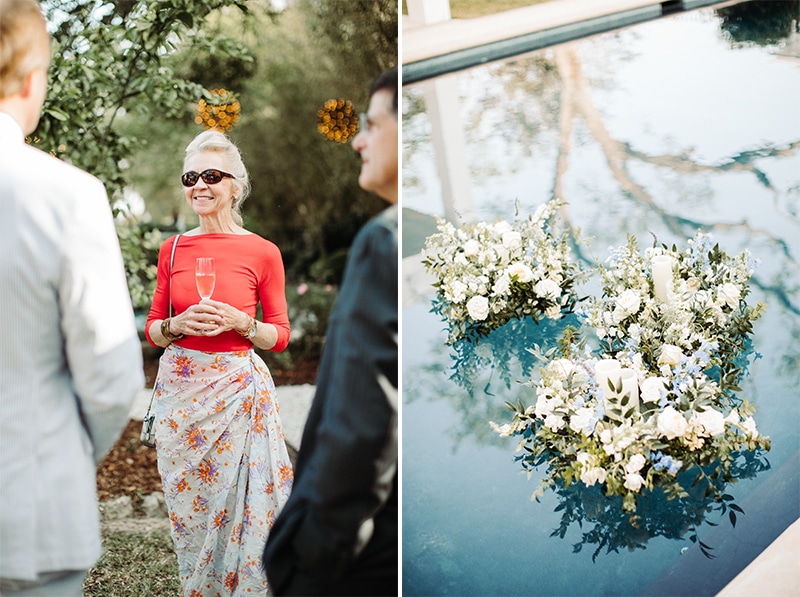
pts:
pixel 168 335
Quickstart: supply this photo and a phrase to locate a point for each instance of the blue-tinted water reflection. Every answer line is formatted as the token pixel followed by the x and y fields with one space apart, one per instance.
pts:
pixel 660 129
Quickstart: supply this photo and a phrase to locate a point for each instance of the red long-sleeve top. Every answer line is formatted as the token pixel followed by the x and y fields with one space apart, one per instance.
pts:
pixel 249 270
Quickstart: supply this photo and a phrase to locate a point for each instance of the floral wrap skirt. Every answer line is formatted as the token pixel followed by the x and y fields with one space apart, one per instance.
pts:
pixel 223 464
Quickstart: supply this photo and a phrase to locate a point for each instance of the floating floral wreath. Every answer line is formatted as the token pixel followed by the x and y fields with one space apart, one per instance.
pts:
pixel 489 273
pixel 337 120
pixel 658 402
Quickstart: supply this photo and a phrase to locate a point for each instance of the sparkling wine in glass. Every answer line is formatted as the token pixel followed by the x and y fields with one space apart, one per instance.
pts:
pixel 205 277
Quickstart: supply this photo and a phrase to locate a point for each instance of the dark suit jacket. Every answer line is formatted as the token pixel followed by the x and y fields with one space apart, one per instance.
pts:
pixel 337 534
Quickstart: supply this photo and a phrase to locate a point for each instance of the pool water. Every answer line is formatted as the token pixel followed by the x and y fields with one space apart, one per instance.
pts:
pixel 655 131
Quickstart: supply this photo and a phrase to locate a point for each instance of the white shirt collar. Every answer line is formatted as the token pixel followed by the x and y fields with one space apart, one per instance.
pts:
pixel 10 129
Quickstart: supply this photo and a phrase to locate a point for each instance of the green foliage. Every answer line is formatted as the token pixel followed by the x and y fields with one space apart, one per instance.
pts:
pixel 140 244
pixel 305 194
pixel 110 60
pixel 310 306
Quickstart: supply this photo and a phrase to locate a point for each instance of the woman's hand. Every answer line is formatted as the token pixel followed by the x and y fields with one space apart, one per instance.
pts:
pixel 203 319
pixel 215 317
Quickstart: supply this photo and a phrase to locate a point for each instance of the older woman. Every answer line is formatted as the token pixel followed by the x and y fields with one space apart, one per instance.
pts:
pixel 221 453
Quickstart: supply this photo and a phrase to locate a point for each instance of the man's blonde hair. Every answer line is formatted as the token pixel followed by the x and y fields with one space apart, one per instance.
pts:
pixel 24 43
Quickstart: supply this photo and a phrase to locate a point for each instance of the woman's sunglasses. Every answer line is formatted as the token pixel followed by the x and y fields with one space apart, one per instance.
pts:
pixel 210 176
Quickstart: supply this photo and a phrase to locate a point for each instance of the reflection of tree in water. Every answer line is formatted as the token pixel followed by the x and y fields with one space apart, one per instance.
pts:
pixel 763 22
pixel 604 524
pixel 536 105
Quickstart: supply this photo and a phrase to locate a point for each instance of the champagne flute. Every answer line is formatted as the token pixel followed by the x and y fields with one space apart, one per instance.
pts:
pixel 205 276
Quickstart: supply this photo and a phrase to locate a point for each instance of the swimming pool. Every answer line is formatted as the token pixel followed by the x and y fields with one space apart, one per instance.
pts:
pixel 656 131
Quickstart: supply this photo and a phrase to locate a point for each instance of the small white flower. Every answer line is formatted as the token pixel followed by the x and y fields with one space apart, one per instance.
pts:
pixel 635 464
pixel 458 291
pixel 554 422
pixel 553 312
pixel 501 285
pixel 472 247
pixel 593 475
pixel 478 307
pixel 633 481
pixel 671 423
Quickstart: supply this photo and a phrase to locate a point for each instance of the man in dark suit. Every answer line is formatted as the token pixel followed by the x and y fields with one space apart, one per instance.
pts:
pixel 337 534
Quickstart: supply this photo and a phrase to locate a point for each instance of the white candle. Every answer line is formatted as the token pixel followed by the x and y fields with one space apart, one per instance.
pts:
pixel 630 385
pixel 605 370
pixel 662 276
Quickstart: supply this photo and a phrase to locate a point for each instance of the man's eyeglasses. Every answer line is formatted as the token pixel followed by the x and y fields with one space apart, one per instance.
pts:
pixel 210 176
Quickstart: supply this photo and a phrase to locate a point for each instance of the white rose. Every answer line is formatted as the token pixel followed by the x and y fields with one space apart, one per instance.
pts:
pixel 478 307
pixel 670 355
pixel 651 388
pixel 520 271
pixel 590 476
pixel 635 464
pixel 633 481
pixel 627 304
pixel 512 239
pixel 711 420
pixel 472 247
pixel 671 423
pixel 728 294
pixel 581 419
pixel 547 288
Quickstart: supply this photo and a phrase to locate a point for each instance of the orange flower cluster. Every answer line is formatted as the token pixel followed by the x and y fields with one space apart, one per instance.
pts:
pixel 337 121
pixel 221 113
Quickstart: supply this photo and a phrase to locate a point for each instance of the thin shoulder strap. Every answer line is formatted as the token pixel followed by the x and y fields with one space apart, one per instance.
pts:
pixel 171 261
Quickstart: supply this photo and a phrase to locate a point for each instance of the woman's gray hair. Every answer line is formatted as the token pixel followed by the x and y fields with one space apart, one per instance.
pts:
pixel 218 142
